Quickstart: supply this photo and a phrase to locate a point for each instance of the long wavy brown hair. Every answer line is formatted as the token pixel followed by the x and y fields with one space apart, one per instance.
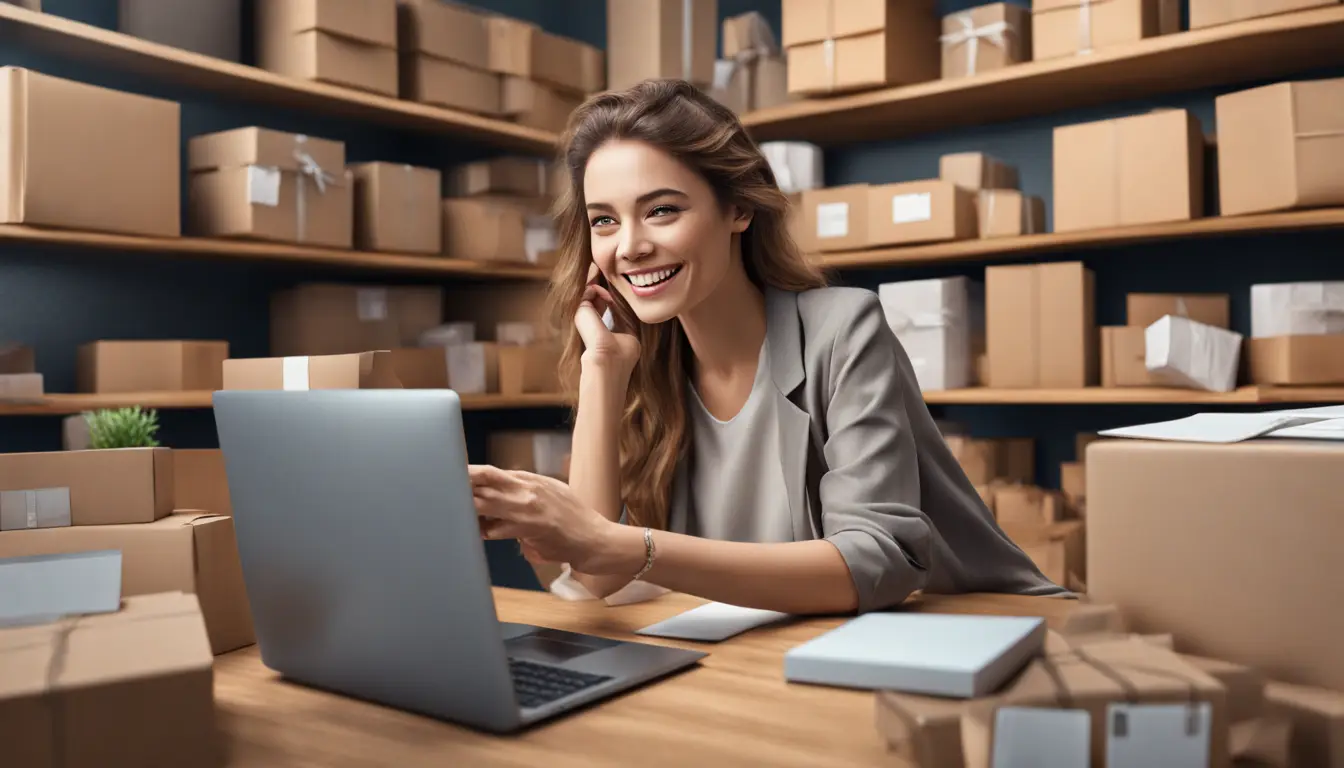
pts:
pixel 677 118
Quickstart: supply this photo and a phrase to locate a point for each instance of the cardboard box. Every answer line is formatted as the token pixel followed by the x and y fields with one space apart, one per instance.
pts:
pixel 1181 352
pixel 984 39
pixel 836 218
pixel 213 28
pixel 468 369
pixel 1281 146
pixel 1058 549
pixel 530 369
pixel 186 552
pixel 919 212
pixel 268 185
pixel 397 208
pixel 531 104
pixel 17 358
pixel 369 21
pixel 509 175
pixel 1040 322
pixel 976 171
pixel 364 370
pixel 1144 309
pixel 200 483
pixel 85 488
pixel 337 319
pixel 482 229
pixel 1073 483
pixel 1297 309
pixel 1210 13
pixel 1317 717
pixel 661 39
pixel 746 34
pixel 1168 500
pixel 150 366
pixel 445 31
pixel 934 321
pixel 1008 213
pixel 746 86
pixel 994 461
pixel 1122 358
pixel 541 453
pixel 1027 506
pixel 1143 169
pixel 343 42
pixel 442 83
pixel 525 50
pixel 1069 27
pixel 922 730
pixel 135 687
pixel 1317 360
pixel 21 386
pixel 54 177
pixel 837 47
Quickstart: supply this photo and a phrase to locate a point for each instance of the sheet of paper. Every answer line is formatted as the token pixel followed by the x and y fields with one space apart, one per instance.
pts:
pixel 44 588
pixel 712 622
pixel 1215 427
pixel 1031 737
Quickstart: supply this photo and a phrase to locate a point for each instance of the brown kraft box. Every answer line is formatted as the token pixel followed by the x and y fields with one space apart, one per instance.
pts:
pixel 397 208
pixel 541 453
pixel 17 358
pixel 920 212
pixel 1028 506
pixel 267 185
pixel 922 730
pixel 343 42
pixel 55 172
pixel 364 370
pixel 525 50
pixel 483 229
pixel 1123 354
pixel 338 319
pixel 1069 27
pixel 836 218
pixel 134 687
pixel 1144 309
pixel 985 38
pixel 1143 169
pixel 1058 549
pixel 444 31
pixel 442 83
pixel 651 39
pixel 1073 483
pixel 468 369
pixel 1008 213
pixel 1041 326
pixel 1302 360
pixel 1317 717
pixel 837 46
pixel 531 104
pixel 529 369
pixel 976 171
pixel 528 177
pixel 85 488
pixel 1168 500
pixel 150 366
pixel 1209 13
pixel 200 483
pixel 187 552
pixel 988 461
pixel 1281 146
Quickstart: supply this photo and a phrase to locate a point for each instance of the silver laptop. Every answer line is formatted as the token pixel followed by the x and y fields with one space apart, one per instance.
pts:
pixel 366 571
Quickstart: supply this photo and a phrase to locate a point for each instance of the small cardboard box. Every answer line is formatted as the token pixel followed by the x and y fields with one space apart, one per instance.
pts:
pixel 268 185
pixel 835 46
pixel 923 730
pixel 484 229
pixel 1040 322
pixel 935 320
pixel 1181 352
pixel 527 177
pixel 836 218
pixel 85 488
pixel 17 358
pixel 1069 27
pixel 1027 506
pixel 188 552
pixel 920 212
pixel 976 171
pixel 1210 13
pixel 1144 309
pixel 1122 358
pixel 1058 549
pixel 343 42
pixel 531 104
pixel 985 38
pixel 1308 360
pixel 338 319
pixel 468 369
pixel 200 483
pixel 529 369
pixel 442 83
pixel 56 176
pixel 661 39
pixel 1008 213
pixel 213 28
pixel 993 461
pixel 1073 483
pixel 1281 146
pixel 446 31
pixel 365 370
pixel 752 84
pixel 525 50
pixel 541 453
pixel 397 208
pixel 134 687
pixel 22 386
pixel 150 366
pixel 1143 169
pixel 1297 309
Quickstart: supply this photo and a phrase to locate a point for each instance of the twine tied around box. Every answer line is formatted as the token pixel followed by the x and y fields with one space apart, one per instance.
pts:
pixel 308 167
pixel 971 35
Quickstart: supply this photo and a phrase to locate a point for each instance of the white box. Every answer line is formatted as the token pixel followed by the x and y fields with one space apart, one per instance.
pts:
pixel 1296 309
pixel 935 321
pixel 1184 353
pixel 797 165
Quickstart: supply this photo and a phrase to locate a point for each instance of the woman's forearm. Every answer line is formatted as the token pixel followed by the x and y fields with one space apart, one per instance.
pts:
pixel 595 461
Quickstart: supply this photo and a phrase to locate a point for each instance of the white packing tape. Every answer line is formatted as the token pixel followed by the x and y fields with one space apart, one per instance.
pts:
pixel 35 508
pixel 971 35
pixel 1084 26
pixel 828 56
pixel 294 373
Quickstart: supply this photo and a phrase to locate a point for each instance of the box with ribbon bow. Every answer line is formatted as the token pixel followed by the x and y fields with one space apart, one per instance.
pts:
pixel 984 39
pixel 752 74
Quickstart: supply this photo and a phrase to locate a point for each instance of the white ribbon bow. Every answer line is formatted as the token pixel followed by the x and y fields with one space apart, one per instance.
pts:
pixel 995 34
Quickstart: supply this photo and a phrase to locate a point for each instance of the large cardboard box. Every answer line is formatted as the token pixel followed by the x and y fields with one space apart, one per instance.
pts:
pixel 397 208
pixel 269 185
pixel 213 27
pixel 531 104
pixel 85 488
pixel 1281 146
pixel 76 156
pixel 1209 13
pixel 365 370
pixel 200 483
pixel 1143 169
pixel 985 38
pixel 1122 358
pixel 1144 309
pixel 337 319
pixel 920 212
pixel 661 39
pixel 187 552
pixel 343 42
pixel 134 687
pixel 1258 519
pixel 1070 27
pixel 835 46
pixel 836 218
pixel 484 229
pixel 1306 360
pixel 525 50
pixel 150 366
pixel 1040 325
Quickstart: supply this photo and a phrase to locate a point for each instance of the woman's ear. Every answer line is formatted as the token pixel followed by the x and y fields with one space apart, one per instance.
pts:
pixel 741 219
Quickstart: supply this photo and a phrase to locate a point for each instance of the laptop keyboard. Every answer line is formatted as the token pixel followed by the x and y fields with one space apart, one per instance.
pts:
pixel 537 684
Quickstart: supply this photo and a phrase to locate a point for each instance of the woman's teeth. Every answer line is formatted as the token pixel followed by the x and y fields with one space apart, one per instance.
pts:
pixel 647 279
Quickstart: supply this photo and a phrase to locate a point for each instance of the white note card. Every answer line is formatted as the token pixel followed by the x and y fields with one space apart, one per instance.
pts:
pixel 1169 735
pixel 263 185
pixel 833 220
pixel 712 622
pixel 906 209
pixel 1028 737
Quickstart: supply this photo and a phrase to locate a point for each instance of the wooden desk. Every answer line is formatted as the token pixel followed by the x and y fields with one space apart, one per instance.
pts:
pixel 735 709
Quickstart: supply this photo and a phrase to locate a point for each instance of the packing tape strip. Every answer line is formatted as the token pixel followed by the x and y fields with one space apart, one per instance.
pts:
pixel 294 374
pixel 1084 26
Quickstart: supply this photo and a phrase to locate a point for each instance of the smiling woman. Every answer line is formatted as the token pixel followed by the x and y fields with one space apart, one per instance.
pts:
pixel 743 433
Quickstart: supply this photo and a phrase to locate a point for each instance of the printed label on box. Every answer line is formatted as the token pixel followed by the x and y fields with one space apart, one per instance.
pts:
pixel 263 185
pixel 833 220
pixel 1141 735
pixel 1030 736
pixel 906 209
pixel 294 375
pixel 371 304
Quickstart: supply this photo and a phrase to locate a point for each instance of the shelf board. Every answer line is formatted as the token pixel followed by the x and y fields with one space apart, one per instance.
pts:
pixel 65 404
pixel 1247 395
pixel 253 250
pixel 1246 51
pixel 76 40
pixel 1002 248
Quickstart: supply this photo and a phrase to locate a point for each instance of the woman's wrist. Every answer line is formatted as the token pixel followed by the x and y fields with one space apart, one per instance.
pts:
pixel 604 381
pixel 621 551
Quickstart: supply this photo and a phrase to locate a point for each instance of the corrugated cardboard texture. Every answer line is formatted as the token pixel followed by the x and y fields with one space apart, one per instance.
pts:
pixel 1059 28
pixel 1281 146
pixel 328 58
pixel 369 21
pixel 976 171
pixel 186 552
pixel 213 27
pixel 523 49
pixel 920 212
pixel 443 30
pixel 200 483
pixel 967 51
pixel 150 366
pixel 397 208
pixel 77 156
pixel 1314 360
pixel 1122 358
pixel 836 218
pixel 483 230
pixel 531 104
pixel 335 319
pixel 1208 13
pixel 1144 309
pixel 132 688
pixel 651 39
pixel 107 487
pixel 1259 520
pixel 430 80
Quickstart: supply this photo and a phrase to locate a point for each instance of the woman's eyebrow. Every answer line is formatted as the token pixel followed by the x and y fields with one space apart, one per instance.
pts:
pixel 642 199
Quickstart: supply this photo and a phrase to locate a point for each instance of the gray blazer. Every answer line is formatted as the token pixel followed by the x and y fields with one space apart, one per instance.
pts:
pixel 865 465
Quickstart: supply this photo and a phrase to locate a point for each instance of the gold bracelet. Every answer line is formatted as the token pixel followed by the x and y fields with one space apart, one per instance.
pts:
pixel 648 554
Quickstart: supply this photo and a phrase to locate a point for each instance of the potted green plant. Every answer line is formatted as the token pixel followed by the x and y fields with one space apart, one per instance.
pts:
pixel 132 427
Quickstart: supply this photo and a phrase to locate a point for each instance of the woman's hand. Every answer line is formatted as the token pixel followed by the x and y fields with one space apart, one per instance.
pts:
pixel 550 522
pixel 614 351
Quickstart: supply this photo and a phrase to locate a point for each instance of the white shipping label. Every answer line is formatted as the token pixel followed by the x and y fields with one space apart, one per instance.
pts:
pixel 539 237
pixel 906 209
pixel 263 185
pixel 371 304
pixel 1028 737
pixel 833 220
pixel 294 373
pixel 466 368
pixel 1169 735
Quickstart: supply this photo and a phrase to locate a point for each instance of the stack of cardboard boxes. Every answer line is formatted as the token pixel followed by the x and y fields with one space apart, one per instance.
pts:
pixel 842 46
pixel 351 44
pixel 500 210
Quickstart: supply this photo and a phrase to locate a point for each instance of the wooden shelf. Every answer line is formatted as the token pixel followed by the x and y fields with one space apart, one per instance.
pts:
pixel 1248 395
pixel 1247 51
pixel 65 404
pixel 1010 247
pixel 84 42
pixel 278 252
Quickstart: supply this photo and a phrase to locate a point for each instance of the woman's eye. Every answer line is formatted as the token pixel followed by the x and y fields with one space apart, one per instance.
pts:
pixel 602 221
pixel 662 210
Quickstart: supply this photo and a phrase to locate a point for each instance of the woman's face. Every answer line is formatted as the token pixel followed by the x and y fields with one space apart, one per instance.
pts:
pixel 658 233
